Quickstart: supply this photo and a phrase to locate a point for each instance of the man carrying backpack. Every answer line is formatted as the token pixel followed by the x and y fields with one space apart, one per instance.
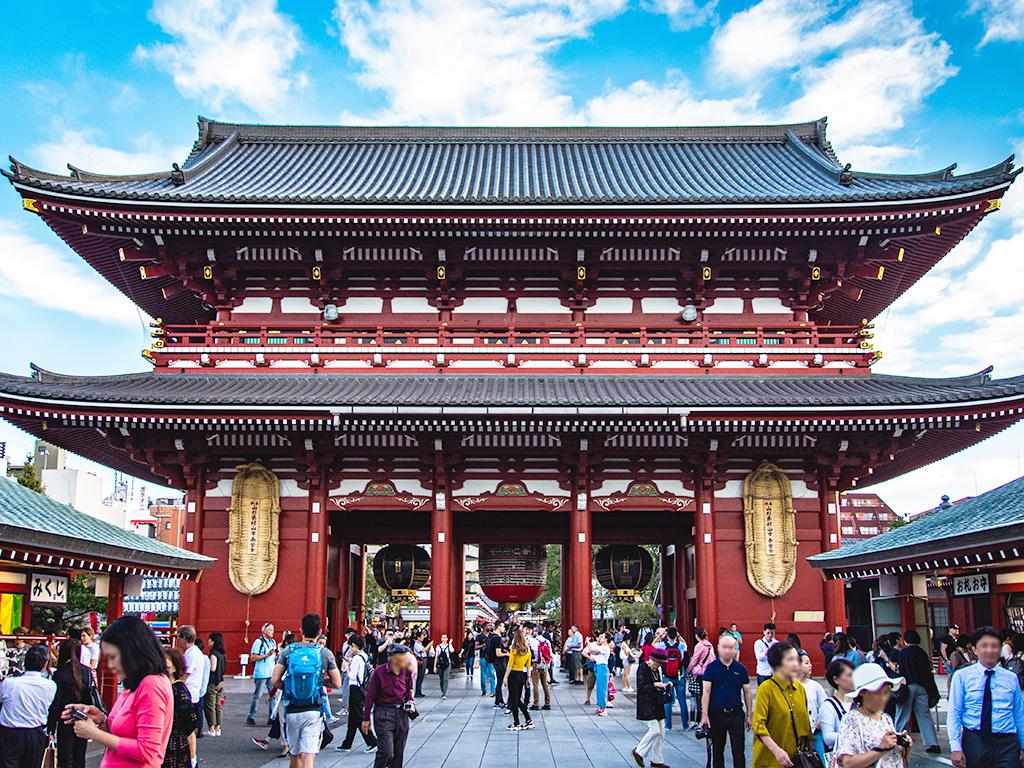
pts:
pixel 674 673
pixel 300 673
pixel 542 657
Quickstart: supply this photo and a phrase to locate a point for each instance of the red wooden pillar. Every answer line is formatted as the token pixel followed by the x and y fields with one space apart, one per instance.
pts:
pixel 458 593
pixel 908 616
pixel 115 608
pixel 668 601
pixel 358 578
pixel 679 586
pixel 195 520
pixel 580 541
pixel 316 545
pixel 707 608
pixel 831 538
pixel 566 587
pixel 440 549
pixel 339 618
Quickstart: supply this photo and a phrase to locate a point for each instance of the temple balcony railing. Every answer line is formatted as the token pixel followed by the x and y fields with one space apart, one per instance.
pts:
pixel 453 346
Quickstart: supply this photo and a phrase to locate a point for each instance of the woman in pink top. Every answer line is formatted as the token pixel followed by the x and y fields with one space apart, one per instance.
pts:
pixel 703 654
pixel 135 732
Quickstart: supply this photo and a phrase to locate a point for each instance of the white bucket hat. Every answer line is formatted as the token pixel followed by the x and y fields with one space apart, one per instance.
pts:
pixel 871 677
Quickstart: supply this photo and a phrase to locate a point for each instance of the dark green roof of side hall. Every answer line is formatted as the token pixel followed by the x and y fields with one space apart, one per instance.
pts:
pixel 32 520
pixel 993 518
pixel 240 164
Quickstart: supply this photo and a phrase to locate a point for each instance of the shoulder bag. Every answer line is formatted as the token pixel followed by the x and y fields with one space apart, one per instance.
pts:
pixel 805 756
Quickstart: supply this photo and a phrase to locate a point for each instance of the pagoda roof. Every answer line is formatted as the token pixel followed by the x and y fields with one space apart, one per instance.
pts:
pixel 31 521
pixel 994 519
pixel 235 164
pixel 87 414
pixel 453 391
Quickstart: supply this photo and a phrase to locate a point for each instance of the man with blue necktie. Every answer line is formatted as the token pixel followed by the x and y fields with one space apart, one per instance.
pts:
pixel 986 710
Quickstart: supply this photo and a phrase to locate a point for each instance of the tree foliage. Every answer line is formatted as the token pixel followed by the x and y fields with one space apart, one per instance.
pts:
pixel 29 477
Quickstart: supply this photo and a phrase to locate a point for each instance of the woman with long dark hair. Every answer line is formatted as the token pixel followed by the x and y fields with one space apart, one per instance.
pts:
pixel 74 686
pixel 212 708
pixel 135 732
pixel 516 674
pixel 178 754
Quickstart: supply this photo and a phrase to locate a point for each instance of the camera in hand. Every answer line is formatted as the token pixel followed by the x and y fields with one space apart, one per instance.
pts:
pixel 409 706
pixel 79 714
pixel 903 741
pixel 703 732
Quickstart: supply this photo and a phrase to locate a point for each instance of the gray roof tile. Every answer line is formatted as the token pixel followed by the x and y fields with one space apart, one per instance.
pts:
pixel 512 166
pixel 28 518
pixel 992 516
pixel 324 390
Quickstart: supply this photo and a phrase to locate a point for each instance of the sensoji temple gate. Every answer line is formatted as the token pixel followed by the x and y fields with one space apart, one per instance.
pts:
pixel 511 335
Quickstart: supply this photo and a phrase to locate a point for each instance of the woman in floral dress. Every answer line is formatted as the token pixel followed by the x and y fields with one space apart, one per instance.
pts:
pixel 177 754
pixel 867 736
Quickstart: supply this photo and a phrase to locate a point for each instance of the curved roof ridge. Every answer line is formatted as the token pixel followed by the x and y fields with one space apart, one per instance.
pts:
pixel 984 376
pixel 213 131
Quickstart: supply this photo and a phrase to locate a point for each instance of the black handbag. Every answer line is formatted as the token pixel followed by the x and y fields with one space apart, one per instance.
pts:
pixel 806 756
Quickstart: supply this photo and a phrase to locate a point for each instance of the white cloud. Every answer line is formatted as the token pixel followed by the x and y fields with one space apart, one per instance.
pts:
pixel 866 83
pixel 76 147
pixel 1003 19
pixel 673 102
pixel 980 468
pixel 467 61
pixel 227 51
pixel 684 14
pixel 55 278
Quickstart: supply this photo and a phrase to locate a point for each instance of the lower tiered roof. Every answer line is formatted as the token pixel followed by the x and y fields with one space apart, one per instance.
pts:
pixel 900 423
pixel 452 391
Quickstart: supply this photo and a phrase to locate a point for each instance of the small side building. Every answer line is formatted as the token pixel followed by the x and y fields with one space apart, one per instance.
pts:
pixel 44 544
pixel 968 557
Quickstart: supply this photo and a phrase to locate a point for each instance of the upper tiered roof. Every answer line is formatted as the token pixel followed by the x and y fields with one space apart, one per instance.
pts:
pixel 237 164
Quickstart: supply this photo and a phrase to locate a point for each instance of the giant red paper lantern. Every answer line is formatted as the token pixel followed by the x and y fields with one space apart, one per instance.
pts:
pixel 512 575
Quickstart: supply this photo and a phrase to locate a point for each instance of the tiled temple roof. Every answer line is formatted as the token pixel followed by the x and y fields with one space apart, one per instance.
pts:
pixel 32 520
pixel 560 390
pixel 991 519
pixel 572 166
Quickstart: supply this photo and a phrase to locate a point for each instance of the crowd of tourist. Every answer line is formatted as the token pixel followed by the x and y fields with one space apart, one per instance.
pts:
pixel 170 696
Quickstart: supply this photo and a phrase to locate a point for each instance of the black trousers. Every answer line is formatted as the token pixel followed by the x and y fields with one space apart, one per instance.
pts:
pixel 499 671
pixel 421 672
pixel 22 747
pixel 70 748
pixel 391 724
pixel 516 686
pixel 1000 750
pixel 731 723
pixel 356 700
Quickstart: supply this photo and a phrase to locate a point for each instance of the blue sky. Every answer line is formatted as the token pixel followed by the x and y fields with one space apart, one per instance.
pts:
pixel 908 86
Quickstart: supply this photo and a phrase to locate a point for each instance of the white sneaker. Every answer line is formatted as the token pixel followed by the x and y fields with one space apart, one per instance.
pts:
pixel 369 750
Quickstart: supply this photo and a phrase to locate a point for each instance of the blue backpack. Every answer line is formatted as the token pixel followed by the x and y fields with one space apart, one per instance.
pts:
pixel 304 684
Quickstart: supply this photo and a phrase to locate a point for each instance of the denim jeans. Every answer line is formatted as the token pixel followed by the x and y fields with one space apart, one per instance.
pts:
pixel 487 680
pixel 469 665
pixel 679 694
pixel 917 703
pixel 601 685
pixel 259 683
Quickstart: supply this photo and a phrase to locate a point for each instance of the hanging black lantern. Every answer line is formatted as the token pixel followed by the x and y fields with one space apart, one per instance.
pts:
pixel 623 570
pixel 401 569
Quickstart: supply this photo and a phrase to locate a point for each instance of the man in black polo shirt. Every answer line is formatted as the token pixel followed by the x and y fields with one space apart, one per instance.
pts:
pixel 724 680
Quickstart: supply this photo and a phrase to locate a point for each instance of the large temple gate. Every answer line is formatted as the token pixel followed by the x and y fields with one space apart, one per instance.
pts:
pixel 484 335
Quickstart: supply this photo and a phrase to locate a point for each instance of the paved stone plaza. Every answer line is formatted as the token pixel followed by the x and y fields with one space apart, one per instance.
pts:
pixel 465 731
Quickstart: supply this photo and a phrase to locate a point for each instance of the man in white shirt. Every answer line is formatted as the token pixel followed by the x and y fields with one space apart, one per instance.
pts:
pixel 358 673
pixel 194 676
pixel 761 646
pixel 24 703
